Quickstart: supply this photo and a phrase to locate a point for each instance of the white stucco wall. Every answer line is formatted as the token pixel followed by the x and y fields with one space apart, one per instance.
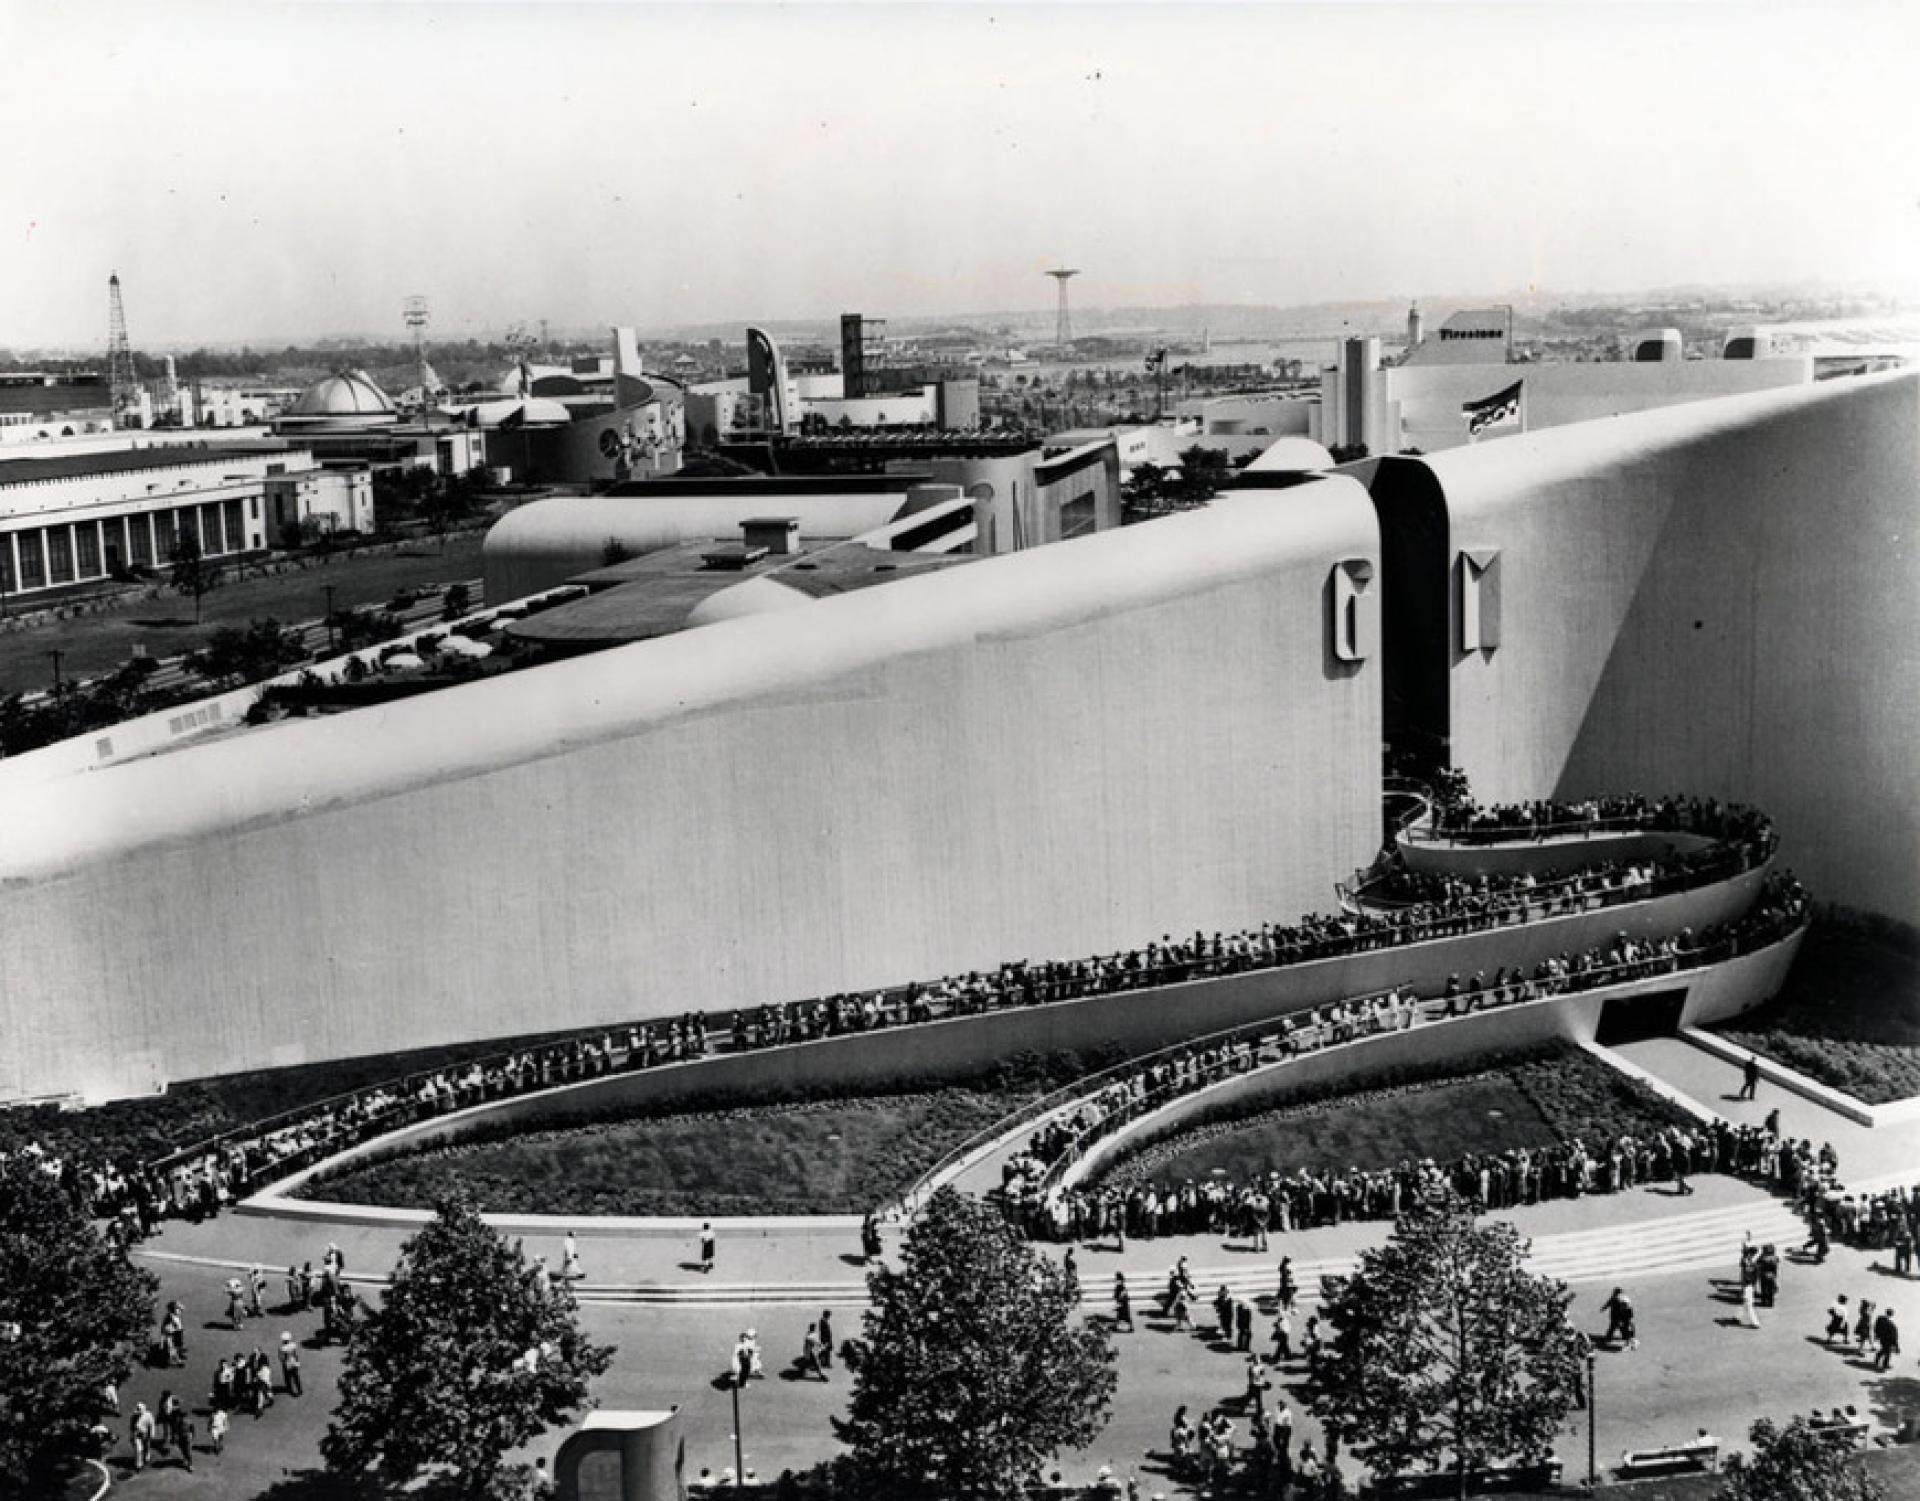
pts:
pixel 1721 599
pixel 1428 398
pixel 1044 755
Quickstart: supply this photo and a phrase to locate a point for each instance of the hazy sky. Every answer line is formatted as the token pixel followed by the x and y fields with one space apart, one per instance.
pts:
pixel 280 170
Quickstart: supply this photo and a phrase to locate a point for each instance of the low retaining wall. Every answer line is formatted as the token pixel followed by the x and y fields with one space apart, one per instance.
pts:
pixel 1893 1113
pixel 1572 1018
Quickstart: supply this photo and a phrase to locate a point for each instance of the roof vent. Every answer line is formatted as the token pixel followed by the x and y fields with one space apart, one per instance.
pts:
pixel 775 534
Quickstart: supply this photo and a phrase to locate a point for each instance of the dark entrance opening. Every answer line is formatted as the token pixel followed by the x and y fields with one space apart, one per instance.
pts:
pixel 1415 554
pixel 1634 1018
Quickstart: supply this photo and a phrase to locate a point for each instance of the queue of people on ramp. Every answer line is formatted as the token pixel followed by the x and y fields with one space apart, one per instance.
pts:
pixel 197 1181
pixel 1464 821
pixel 1031 1188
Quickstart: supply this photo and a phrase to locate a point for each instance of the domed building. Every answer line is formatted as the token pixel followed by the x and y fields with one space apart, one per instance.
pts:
pixel 347 401
pixel 346 416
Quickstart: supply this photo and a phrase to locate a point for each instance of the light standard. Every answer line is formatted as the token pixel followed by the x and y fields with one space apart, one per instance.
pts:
pixel 1593 1405
pixel 739 1436
pixel 330 647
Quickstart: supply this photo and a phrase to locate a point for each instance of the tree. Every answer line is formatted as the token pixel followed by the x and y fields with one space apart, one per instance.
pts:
pixel 191 574
pixel 445 505
pixel 232 655
pixel 1447 1350
pixel 976 1367
pixel 71 1309
pixel 458 602
pixel 1797 1463
pixel 468 1358
pixel 1202 473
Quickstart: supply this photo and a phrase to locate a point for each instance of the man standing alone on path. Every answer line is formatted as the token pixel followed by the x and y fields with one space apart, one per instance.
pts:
pixel 706 1245
pixel 1619 1311
pixel 1749 1077
pixel 290 1365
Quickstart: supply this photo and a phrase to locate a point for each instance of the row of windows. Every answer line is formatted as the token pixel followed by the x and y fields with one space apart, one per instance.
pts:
pixel 54 555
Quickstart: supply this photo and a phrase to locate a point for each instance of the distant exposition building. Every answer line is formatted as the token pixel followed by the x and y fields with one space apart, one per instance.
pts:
pixel 1060 751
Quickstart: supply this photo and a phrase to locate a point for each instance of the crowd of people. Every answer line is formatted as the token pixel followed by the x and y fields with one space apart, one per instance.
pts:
pixel 1031 1191
pixel 1463 821
pixel 197 1181
pixel 1139 1205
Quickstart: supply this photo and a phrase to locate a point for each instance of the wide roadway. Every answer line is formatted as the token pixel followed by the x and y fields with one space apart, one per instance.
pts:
pixel 1696 1366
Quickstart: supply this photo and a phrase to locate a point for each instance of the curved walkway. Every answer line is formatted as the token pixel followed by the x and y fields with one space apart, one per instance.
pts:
pixel 1640 1232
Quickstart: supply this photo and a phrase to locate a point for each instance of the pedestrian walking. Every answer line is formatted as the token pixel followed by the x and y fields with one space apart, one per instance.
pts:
pixel 256 1293
pixel 826 1338
pixel 1283 1335
pixel 1863 1325
pixel 1620 1323
pixel 1749 1077
pixel 707 1246
pixel 810 1353
pixel 140 1430
pixel 1747 1314
pixel 1288 1288
pixel 1886 1335
pixel 236 1303
pixel 1122 1302
pixel 290 1364
pixel 570 1259
pixel 173 1334
pixel 1837 1321
pixel 217 1422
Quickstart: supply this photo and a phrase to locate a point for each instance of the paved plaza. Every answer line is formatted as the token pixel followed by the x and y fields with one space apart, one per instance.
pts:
pixel 1696 1367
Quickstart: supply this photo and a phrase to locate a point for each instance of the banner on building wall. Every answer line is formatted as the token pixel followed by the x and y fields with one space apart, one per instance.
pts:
pixel 1493 411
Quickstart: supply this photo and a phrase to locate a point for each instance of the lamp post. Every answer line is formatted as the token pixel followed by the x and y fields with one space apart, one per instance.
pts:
pixel 56 672
pixel 1593 1406
pixel 330 646
pixel 739 1437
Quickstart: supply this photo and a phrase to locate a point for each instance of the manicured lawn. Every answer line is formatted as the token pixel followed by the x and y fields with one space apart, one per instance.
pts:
pixel 1849 1016
pixel 1532 1102
pixel 815 1157
pixel 1443 1122
pixel 163 625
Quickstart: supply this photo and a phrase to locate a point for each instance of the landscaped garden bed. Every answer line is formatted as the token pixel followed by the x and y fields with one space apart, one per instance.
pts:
pixel 1537 1099
pixel 841 1154
pixel 1848 1016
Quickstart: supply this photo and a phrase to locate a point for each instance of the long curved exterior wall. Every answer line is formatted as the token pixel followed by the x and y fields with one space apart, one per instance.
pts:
pixel 1054 753
pixel 1721 599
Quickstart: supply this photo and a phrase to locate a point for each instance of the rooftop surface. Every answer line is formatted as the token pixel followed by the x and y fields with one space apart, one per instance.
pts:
pixel 74 466
pixel 653 595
